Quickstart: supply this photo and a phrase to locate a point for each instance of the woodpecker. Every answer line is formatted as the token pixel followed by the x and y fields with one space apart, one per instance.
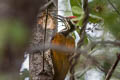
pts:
pixel 61 58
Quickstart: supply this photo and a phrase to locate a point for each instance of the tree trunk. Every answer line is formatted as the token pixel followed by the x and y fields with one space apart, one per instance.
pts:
pixel 36 62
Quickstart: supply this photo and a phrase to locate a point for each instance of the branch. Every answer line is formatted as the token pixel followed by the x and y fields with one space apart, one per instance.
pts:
pixel 114 7
pixel 110 72
pixel 116 43
pixel 40 47
pixel 82 35
pixel 85 21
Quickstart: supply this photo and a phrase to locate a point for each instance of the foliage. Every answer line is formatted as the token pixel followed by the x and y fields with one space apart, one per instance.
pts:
pixel 107 16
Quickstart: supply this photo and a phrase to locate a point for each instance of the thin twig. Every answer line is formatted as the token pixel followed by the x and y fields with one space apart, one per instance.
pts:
pixel 62 47
pixel 40 47
pixel 116 43
pixel 82 73
pixel 45 36
pixel 114 7
pixel 85 21
pixel 110 72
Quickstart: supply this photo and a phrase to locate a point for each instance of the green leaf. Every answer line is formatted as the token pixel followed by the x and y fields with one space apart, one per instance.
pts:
pixel 76 6
pixel 95 19
pixel 77 10
pixel 76 3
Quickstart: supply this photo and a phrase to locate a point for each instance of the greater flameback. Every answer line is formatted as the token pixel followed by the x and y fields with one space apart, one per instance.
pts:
pixel 61 58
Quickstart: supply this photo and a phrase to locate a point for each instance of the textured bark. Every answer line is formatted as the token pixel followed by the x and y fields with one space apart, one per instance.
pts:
pixel 36 58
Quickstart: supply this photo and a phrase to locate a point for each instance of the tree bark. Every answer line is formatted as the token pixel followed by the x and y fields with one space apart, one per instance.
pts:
pixel 36 58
